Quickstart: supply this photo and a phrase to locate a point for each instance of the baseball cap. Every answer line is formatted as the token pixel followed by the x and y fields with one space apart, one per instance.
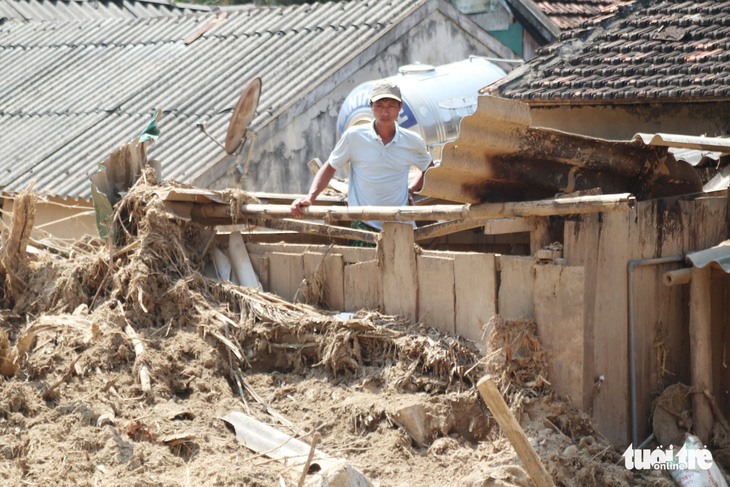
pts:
pixel 385 89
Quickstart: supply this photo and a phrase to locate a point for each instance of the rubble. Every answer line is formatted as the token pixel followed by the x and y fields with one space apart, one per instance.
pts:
pixel 75 410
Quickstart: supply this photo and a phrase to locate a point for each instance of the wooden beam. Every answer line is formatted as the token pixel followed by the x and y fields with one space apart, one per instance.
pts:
pixel 558 206
pixel 513 432
pixel 399 273
pixel 502 226
pixel 700 345
pixel 445 228
pixel 319 229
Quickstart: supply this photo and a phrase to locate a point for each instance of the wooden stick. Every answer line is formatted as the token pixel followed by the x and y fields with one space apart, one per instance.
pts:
pixel 445 228
pixel 319 229
pixel 144 372
pixel 63 379
pixel 315 165
pixel 315 439
pixel 510 426
pixel 716 411
pixel 483 211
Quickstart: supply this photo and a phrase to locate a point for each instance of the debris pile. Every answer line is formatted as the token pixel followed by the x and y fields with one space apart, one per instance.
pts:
pixel 118 361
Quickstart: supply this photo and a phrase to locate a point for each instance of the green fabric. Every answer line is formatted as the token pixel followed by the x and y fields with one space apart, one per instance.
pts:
pixel 151 131
pixel 358 225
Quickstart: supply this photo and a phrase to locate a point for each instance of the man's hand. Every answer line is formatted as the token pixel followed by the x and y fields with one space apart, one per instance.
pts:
pixel 298 204
pixel 410 198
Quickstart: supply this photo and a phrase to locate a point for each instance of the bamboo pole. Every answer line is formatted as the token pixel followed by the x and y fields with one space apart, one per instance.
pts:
pixel 558 206
pixel 676 277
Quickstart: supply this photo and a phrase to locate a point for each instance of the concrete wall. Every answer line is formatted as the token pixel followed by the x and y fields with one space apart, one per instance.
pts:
pixel 279 157
pixel 621 122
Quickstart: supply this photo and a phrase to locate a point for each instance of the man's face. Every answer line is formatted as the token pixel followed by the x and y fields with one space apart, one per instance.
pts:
pixel 386 110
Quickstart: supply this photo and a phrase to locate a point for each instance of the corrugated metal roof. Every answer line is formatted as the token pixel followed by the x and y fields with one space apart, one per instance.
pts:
pixel 500 156
pixel 49 10
pixel 719 255
pixel 106 77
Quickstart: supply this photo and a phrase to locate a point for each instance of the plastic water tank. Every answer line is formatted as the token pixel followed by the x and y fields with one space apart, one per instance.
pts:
pixel 435 99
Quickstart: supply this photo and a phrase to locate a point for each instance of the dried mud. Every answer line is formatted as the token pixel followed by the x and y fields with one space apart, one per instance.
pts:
pixel 73 411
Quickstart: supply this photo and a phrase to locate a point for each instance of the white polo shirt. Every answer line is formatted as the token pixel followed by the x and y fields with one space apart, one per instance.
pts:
pixel 379 173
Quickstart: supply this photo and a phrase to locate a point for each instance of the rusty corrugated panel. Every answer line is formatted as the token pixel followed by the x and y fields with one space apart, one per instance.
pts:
pixel 500 156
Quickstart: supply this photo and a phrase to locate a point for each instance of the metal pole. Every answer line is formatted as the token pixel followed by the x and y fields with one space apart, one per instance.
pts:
pixel 632 338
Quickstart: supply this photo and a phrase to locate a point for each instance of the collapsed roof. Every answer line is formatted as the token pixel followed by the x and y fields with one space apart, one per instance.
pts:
pixel 501 156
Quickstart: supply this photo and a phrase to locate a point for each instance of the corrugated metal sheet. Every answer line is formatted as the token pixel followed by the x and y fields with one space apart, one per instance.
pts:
pixel 45 10
pixel 108 75
pixel 719 255
pixel 500 156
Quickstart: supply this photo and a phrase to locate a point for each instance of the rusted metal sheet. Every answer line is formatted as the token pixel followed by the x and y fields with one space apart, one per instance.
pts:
pixel 500 156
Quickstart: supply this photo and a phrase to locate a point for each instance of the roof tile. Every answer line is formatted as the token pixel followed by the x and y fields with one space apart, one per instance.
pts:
pixel 655 49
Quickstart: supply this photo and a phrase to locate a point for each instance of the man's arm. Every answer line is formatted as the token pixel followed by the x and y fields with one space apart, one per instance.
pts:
pixel 321 180
pixel 417 184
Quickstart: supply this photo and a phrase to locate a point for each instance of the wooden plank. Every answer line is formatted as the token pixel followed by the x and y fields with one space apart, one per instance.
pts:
pixel 720 334
pixel 559 311
pixel 286 272
pixel 334 294
pixel 400 277
pixel 610 334
pixel 516 283
pixel 260 265
pixel 436 299
pixel 500 226
pixel 540 234
pixel 580 247
pixel 513 432
pixel 362 286
pixel 445 228
pixel 349 254
pixel 475 282
pixel 700 343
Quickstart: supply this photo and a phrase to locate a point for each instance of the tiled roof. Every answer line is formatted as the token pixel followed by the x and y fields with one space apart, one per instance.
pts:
pixel 646 51
pixel 569 14
pixel 64 10
pixel 71 91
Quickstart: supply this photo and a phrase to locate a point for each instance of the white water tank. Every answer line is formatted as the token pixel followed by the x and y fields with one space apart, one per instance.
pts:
pixel 435 99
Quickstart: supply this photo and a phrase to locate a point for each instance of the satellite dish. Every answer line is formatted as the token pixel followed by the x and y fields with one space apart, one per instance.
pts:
pixel 243 113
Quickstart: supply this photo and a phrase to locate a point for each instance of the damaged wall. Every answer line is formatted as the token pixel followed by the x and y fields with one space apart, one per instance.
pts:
pixel 580 299
pixel 279 157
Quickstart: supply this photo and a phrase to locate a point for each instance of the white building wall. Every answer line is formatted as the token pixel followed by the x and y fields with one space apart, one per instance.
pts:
pixel 279 157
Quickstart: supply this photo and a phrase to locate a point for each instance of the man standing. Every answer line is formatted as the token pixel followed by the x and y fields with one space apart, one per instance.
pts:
pixel 380 155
